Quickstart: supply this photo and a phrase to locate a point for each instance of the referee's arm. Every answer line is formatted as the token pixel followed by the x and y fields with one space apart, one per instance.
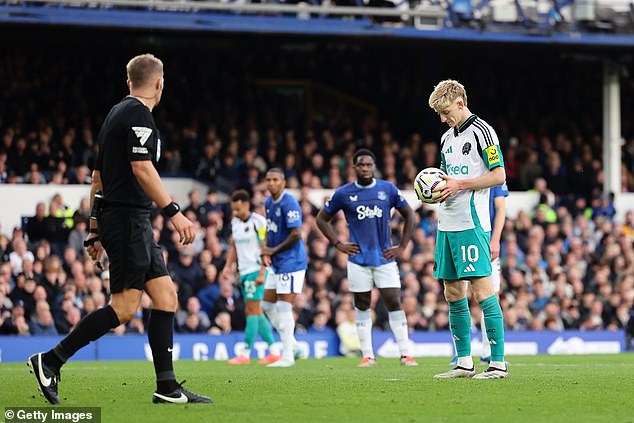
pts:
pixel 94 188
pixel 150 181
pixel 94 248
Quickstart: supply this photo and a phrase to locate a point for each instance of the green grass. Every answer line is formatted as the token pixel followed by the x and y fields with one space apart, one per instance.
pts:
pixel 568 389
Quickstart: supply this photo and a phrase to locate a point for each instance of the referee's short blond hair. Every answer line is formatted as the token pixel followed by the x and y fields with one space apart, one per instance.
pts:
pixel 445 93
pixel 143 68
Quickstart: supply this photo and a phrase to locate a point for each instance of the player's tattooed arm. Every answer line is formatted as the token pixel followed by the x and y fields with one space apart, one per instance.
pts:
pixel 323 223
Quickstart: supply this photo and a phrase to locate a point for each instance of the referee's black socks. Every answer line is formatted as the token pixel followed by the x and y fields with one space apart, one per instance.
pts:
pixel 90 328
pixel 160 333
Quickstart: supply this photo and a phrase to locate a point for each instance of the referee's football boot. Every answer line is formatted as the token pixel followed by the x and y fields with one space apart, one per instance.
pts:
pixel 180 396
pixel 47 378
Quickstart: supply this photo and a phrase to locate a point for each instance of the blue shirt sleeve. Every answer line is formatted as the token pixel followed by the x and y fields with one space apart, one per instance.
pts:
pixel 501 191
pixel 292 214
pixel 333 205
pixel 399 201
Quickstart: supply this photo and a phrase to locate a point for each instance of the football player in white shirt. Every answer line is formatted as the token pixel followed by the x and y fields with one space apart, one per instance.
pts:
pixel 472 159
pixel 248 231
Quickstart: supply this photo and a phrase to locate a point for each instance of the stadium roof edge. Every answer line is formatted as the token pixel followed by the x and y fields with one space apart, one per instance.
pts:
pixel 213 22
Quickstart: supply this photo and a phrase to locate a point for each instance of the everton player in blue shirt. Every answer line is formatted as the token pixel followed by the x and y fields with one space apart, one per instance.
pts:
pixel 367 205
pixel 286 255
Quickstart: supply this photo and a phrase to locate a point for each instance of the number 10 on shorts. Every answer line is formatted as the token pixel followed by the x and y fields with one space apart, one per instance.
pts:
pixel 470 253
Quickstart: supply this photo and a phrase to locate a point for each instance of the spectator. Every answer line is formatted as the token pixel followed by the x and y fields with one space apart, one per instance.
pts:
pixel 50 281
pixel 42 323
pixel 320 324
pixel 349 343
pixel 70 316
pixel 192 324
pixel 531 170
pixel 222 324
pixel 187 272
pixel 196 206
pixel 230 303
pixel 211 205
pixel 193 308
pixel 37 227
pixel 78 235
pixel 19 254
pixel 14 323
pixel 210 292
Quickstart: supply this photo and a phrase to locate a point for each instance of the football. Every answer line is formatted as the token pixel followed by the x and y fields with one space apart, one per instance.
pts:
pixel 425 182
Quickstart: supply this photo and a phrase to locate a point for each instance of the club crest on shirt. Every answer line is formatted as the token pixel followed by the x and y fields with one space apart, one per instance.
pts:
pixel 278 212
pixel 466 148
pixel 293 216
pixel 382 195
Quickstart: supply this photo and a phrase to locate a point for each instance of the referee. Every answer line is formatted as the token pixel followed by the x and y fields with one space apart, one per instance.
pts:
pixel 125 183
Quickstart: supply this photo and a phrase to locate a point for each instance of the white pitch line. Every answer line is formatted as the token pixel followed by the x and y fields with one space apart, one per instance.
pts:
pixel 571 365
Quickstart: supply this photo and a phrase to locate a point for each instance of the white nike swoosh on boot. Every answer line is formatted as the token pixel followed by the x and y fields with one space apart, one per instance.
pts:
pixel 45 381
pixel 180 400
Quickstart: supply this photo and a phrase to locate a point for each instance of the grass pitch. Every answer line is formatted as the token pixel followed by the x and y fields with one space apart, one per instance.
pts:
pixel 568 389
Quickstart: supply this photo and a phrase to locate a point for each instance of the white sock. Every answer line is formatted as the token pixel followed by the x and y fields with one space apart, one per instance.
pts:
pixel 271 312
pixel 286 328
pixel 364 330
pixel 498 365
pixel 466 362
pixel 486 347
pixel 246 353
pixel 398 324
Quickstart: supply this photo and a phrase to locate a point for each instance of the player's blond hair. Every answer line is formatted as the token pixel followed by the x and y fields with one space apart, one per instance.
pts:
pixel 143 68
pixel 445 93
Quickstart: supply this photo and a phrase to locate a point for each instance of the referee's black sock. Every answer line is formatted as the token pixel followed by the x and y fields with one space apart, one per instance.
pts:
pixel 160 333
pixel 90 328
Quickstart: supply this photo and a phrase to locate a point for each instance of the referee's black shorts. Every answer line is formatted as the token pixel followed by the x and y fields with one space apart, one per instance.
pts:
pixel 135 258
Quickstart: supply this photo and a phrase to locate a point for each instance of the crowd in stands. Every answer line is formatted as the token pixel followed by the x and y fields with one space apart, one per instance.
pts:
pixel 236 123
pixel 571 167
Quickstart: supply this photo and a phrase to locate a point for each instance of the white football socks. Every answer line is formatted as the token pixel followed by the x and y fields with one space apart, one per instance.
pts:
pixel 364 330
pixel 286 328
pixel 465 362
pixel 398 324
pixel 271 312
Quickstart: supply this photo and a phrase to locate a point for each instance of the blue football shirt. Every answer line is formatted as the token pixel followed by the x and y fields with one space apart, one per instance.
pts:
pixel 368 211
pixel 282 216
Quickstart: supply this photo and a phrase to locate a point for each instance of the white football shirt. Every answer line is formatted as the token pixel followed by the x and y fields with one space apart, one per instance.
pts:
pixel 247 236
pixel 467 152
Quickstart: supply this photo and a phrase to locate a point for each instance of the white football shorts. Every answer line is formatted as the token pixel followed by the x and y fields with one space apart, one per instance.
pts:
pixel 285 283
pixel 364 278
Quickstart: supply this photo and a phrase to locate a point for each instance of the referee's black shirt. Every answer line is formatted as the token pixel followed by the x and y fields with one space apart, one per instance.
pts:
pixel 128 134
